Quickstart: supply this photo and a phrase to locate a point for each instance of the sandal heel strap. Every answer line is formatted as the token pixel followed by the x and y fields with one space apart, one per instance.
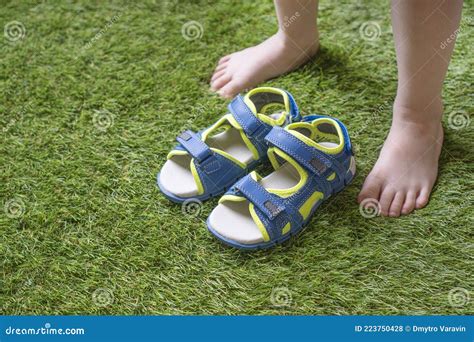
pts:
pixel 253 127
pixel 244 116
pixel 294 110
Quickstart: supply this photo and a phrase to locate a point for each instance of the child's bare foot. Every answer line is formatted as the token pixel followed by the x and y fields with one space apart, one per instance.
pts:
pixel 407 167
pixel 275 56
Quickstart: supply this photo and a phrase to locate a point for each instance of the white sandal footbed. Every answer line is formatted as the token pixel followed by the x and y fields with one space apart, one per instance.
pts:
pixel 232 220
pixel 176 176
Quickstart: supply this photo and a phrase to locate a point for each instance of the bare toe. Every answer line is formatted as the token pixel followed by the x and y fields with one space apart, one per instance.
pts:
pixel 423 197
pixel 224 59
pixel 217 74
pixel 409 204
pixel 232 88
pixel 407 165
pixel 220 67
pixel 397 203
pixel 220 82
pixel 370 189
pixel 251 66
pixel 386 199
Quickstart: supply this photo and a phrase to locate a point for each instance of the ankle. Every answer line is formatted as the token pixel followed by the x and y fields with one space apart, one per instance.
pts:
pixel 307 40
pixel 416 111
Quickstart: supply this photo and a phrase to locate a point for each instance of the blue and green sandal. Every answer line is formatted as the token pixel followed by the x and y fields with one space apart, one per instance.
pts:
pixel 205 164
pixel 313 160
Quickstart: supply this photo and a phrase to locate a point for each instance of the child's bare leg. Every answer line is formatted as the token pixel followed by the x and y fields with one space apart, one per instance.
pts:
pixel 407 167
pixel 295 42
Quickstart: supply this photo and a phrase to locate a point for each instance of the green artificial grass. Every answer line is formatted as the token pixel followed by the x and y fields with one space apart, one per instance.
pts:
pixel 91 100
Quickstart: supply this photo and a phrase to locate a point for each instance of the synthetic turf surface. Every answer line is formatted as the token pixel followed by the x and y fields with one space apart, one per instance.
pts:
pixel 91 100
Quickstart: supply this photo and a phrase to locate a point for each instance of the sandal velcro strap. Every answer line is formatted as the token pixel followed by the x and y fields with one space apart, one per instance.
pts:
pixel 244 115
pixel 309 157
pixel 192 143
pixel 270 204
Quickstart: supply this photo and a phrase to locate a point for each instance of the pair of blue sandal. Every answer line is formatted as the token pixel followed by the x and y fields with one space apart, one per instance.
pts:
pixel 312 157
